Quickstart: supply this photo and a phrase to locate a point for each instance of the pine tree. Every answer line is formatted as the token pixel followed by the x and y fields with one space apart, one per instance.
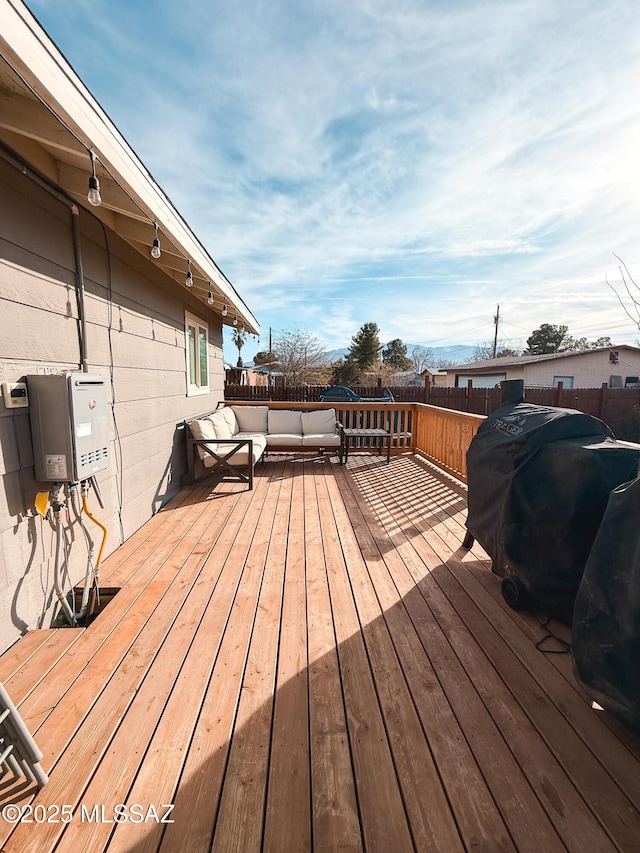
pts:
pixel 365 346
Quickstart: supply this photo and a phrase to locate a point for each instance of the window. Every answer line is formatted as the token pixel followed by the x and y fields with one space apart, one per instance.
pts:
pixel 197 352
pixel 567 381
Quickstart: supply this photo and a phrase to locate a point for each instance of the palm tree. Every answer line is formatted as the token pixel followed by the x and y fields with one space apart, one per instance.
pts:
pixel 239 337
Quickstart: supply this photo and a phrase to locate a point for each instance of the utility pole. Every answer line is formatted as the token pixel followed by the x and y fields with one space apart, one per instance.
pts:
pixel 496 320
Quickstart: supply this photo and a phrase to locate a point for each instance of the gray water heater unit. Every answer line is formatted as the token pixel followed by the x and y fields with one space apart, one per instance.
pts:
pixel 69 426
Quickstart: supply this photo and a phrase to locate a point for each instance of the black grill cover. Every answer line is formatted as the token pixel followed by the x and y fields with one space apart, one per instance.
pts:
pixel 539 479
pixel 606 618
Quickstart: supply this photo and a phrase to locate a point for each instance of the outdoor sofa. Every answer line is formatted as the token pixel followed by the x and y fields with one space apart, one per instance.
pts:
pixel 231 440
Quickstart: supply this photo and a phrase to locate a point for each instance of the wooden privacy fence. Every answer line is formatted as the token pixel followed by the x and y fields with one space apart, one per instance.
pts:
pixel 612 405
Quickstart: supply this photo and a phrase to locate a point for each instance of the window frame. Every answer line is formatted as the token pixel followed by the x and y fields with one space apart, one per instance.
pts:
pixel 200 326
pixel 567 381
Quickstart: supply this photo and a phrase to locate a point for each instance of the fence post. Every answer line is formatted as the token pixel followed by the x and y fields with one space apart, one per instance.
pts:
pixel 601 401
pixel 558 395
pixel 468 393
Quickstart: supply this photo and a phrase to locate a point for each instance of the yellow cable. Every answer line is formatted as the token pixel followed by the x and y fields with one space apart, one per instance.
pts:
pixel 85 507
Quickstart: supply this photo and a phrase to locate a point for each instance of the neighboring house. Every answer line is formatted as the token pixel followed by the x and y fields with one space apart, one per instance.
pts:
pixel 616 366
pixel 437 377
pixel 245 376
pixel 79 290
pixel 407 377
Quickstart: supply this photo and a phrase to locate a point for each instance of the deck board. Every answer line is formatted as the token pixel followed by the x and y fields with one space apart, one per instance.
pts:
pixel 316 665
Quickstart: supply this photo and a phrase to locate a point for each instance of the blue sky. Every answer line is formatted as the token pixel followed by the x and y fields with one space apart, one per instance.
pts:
pixel 404 162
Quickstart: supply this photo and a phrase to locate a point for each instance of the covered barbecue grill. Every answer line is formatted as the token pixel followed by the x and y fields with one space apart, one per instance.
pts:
pixel 606 618
pixel 539 479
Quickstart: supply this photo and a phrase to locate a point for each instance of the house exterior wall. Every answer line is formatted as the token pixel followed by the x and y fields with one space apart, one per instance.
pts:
pixel 135 317
pixel 588 369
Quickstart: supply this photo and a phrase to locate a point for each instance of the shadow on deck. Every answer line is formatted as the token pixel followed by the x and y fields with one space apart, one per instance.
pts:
pixel 316 664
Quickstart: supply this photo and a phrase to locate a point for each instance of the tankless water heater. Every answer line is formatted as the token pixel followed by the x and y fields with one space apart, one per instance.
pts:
pixel 69 426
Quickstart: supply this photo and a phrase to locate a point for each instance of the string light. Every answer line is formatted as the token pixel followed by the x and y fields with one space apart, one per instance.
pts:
pixel 210 296
pixel 93 196
pixel 235 320
pixel 155 248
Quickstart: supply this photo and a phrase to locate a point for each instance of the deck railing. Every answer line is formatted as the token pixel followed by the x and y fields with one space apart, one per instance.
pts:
pixel 442 435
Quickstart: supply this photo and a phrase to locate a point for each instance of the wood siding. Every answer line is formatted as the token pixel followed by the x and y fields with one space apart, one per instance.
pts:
pixel 135 339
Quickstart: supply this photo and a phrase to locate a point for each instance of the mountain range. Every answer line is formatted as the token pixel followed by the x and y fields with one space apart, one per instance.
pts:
pixel 456 353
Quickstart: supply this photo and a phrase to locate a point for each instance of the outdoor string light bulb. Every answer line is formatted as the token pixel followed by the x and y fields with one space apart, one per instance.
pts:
pixel 235 320
pixel 155 248
pixel 94 184
pixel 189 281
pixel 210 296
pixel 224 310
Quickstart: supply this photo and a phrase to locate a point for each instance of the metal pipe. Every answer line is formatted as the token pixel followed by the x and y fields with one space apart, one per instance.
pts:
pixel 75 223
pixel 16 161
pixel 57 585
pixel 73 496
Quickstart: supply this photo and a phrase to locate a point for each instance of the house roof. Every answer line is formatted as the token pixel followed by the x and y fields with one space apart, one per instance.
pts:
pixel 489 364
pixel 51 121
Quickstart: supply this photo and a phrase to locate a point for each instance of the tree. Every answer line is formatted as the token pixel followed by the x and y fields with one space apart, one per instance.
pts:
pixel 484 351
pixel 546 339
pixel 394 355
pixel 300 356
pixel 264 358
pixel 630 300
pixel 365 346
pixel 239 337
pixel 571 343
pixel 345 372
pixel 421 358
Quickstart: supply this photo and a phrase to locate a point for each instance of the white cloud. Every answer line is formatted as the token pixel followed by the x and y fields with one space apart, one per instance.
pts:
pixel 395 161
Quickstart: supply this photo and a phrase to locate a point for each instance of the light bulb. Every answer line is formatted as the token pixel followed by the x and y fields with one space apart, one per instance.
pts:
pixel 94 184
pixel 235 320
pixel 155 249
pixel 93 196
pixel 189 279
pixel 210 296
pixel 224 310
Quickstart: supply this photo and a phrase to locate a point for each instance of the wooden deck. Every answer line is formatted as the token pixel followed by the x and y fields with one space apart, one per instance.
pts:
pixel 314 665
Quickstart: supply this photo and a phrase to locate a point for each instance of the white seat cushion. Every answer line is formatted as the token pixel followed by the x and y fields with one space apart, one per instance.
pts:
pixel 229 415
pixel 284 439
pixel 320 422
pixel 330 439
pixel 221 424
pixel 203 428
pixel 284 422
pixel 251 418
pixel 241 456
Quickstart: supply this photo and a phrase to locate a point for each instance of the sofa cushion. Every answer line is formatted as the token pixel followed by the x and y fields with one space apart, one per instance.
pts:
pixel 229 416
pixel 320 422
pixel 251 418
pixel 284 439
pixel 241 456
pixel 203 428
pixel 221 424
pixel 284 422
pixel 329 439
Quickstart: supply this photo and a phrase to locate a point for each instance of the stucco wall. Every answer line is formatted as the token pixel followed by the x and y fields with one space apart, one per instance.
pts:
pixel 589 370
pixel 135 339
